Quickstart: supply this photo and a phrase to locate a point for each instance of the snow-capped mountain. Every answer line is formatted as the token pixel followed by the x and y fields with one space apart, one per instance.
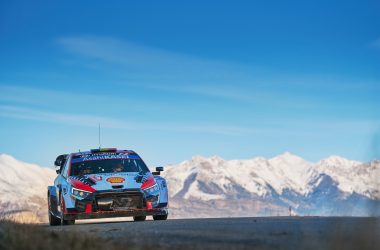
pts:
pixel 353 176
pixel 23 189
pixel 20 178
pixel 332 186
pixel 214 187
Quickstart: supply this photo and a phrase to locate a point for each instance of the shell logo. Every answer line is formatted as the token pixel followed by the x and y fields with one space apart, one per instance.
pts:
pixel 115 180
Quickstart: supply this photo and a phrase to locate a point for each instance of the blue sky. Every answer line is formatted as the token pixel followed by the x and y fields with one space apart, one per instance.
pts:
pixel 171 80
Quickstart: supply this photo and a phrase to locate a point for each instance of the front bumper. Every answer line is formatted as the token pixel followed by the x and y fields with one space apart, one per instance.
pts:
pixel 116 203
pixel 112 214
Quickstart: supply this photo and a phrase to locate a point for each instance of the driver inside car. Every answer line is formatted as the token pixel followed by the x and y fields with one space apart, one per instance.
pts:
pixel 118 168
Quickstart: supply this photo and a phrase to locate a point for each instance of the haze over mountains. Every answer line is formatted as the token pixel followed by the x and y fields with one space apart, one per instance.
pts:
pixel 214 187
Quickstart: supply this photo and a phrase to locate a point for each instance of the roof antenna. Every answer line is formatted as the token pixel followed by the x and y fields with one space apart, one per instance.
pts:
pixel 99 137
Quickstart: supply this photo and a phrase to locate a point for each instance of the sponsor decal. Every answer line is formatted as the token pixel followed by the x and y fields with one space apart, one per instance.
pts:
pixel 95 178
pixel 119 174
pixel 115 180
pixel 104 156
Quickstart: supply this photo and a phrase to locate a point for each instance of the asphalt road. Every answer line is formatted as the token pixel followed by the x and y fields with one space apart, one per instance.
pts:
pixel 240 233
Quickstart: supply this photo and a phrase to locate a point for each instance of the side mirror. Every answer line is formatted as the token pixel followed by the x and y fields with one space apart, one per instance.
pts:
pixel 57 163
pixel 158 170
pixel 60 161
pixel 58 171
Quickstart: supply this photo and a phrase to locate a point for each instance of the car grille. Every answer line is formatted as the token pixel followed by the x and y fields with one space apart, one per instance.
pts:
pixel 119 201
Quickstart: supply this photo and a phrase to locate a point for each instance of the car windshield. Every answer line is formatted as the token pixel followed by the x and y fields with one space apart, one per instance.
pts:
pixel 84 167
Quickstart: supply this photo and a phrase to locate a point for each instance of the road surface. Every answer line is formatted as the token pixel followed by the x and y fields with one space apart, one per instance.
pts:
pixel 240 233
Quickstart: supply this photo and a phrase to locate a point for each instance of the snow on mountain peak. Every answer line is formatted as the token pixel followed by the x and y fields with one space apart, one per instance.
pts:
pixel 337 161
pixel 351 176
pixel 22 178
pixel 295 172
pixel 289 159
pixel 208 178
pixel 214 159
pixel 6 158
pixel 259 159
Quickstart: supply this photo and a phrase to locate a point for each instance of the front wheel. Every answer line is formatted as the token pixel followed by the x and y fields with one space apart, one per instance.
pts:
pixel 160 217
pixel 53 220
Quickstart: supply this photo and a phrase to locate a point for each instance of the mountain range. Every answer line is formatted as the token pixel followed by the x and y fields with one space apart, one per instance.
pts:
pixel 281 185
pixel 214 187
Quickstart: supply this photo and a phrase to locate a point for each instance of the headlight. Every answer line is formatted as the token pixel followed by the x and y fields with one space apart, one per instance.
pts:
pixel 79 194
pixel 152 189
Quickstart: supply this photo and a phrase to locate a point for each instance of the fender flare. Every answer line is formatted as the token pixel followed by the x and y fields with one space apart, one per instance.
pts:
pixel 163 189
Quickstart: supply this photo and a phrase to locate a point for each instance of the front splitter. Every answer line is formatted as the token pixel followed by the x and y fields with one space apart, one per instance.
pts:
pixel 113 214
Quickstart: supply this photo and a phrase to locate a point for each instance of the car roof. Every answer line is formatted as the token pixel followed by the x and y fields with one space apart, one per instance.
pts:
pixel 103 150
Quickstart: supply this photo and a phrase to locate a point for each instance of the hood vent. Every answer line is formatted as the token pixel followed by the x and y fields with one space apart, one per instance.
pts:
pixel 117 186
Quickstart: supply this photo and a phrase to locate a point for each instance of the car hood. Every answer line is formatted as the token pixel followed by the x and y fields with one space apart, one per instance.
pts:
pixel 112 181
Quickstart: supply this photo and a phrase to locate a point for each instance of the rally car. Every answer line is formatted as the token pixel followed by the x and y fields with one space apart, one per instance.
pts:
pixel 104 183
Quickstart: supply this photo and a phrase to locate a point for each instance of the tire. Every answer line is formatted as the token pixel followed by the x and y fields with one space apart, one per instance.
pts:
pixel 62 220
pixel 53 221
pixel 160 217
pixel 139 218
